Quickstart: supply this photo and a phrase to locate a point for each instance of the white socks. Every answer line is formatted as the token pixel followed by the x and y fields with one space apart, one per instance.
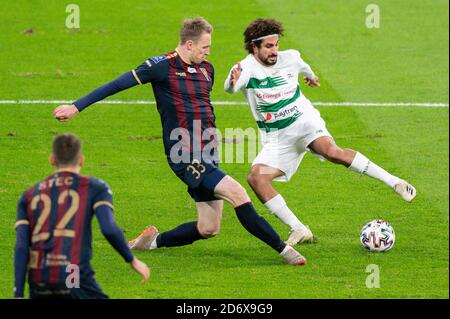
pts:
pixel 278 206
pixel 360 164
pixel 153 244
pixel 363 165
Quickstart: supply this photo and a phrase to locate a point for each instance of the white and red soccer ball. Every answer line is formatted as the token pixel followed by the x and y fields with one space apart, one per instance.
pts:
pixel 377 235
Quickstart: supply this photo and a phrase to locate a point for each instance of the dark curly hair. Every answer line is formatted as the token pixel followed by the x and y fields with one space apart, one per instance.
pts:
pixel 259 28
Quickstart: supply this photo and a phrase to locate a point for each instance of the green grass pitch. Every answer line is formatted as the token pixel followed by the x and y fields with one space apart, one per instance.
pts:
pixel 405 60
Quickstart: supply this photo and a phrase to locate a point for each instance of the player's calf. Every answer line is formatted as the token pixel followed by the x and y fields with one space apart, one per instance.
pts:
pixel 337 155
pixel 326 147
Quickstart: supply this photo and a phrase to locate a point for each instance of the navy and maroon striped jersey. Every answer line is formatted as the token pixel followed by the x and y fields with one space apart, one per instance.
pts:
pixel 182 93
pixel 59 211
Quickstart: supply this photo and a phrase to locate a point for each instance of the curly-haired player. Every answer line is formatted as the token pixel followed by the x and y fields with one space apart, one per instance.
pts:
pixel 289 124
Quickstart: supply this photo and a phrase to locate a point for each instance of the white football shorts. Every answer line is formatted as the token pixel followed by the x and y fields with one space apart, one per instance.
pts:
pixel 284 149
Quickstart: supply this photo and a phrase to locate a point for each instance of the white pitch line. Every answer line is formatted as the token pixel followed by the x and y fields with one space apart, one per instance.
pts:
pixel 234 103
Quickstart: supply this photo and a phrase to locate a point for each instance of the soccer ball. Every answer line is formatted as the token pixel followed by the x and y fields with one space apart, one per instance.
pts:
pixel 377 235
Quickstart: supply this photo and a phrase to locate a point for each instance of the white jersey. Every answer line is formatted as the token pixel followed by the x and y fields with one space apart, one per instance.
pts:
pixel 273 92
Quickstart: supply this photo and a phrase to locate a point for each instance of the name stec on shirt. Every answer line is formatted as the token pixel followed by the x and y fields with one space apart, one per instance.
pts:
pixel 58 181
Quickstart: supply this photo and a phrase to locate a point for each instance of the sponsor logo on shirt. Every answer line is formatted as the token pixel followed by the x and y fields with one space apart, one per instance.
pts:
pixel 283 114
pixel 158 59
pixel 182 74
pixel 268 96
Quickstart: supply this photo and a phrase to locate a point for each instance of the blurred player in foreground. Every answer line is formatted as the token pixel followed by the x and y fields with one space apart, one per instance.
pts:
pixel 53 230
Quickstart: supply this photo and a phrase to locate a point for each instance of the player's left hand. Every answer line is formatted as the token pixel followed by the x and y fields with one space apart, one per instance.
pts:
pixel 313 82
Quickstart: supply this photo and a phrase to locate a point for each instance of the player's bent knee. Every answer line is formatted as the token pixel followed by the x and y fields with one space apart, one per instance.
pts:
pixel 237 195
pixel 241 196
pixel 233 192
pixel 209 234
pixel 256 180
pixel 208 231
pixel 252 179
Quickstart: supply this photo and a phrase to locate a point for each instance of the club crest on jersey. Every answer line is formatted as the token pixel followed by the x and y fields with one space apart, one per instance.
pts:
pixel 191 70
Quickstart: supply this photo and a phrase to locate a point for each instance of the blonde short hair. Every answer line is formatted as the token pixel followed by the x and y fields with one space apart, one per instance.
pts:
pixel 192 29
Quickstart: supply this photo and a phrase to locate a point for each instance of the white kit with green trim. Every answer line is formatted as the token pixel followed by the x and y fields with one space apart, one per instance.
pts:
pixel 273 92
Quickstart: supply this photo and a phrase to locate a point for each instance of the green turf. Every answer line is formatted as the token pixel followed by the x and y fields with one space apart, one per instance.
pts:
pixel 406 60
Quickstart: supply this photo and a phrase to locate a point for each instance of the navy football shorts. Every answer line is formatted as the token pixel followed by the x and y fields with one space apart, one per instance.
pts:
pixel 200 177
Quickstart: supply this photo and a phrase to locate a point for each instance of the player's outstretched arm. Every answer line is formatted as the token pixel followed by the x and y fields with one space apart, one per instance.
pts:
pixel 65 112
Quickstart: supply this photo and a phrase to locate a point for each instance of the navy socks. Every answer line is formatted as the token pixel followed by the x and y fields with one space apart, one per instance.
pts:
pixel 254 223
pixel 257 226
pixel 184 234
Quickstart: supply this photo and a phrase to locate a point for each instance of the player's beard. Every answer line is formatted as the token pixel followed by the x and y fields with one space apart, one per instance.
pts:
pixel 266 61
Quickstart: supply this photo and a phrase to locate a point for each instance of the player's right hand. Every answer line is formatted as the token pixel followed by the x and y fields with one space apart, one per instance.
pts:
pixel 313 82
pixel 235 74
pixel 141 269
pixel 64 113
